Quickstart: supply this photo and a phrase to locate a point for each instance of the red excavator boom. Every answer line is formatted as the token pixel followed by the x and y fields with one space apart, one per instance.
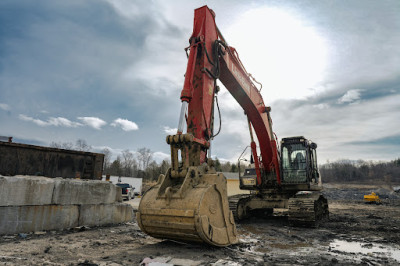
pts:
pixel 210 59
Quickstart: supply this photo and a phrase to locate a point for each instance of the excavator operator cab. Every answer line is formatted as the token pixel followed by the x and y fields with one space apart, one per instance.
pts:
pixel 248 180
pixel 299 161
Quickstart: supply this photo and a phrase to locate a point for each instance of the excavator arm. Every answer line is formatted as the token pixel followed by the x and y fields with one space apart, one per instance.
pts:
pixel 210 59
pixel 189 202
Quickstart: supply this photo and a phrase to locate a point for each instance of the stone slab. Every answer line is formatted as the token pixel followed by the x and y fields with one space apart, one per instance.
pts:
pixel 25 219
pixel 23 190
pixel 67 191
pixel 105 214
pixel 34 190
pixel 118 195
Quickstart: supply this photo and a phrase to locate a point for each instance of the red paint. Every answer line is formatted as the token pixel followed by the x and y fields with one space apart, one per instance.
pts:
pixel 199 91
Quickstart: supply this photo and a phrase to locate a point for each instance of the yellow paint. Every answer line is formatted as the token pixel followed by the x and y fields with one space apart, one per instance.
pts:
pixel 233 187
pixel 372 198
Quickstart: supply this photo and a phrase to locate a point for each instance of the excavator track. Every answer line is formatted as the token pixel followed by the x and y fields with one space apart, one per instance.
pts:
pixel 235 206
pixel 307 209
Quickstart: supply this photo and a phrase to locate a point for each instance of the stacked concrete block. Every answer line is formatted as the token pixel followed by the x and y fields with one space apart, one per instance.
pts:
pixel 21 191
pixel 67 191
pixel 29 204
pixel 99 214
pixel 24 219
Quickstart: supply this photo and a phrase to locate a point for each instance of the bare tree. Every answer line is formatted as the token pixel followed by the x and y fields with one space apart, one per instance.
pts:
pixel 128 163
pixel 144 156
pixel 226 167
pixel 56 145
pixel 62 145
pixel 165 164
pixel 116 167
pixel 152 171
pixel 81 145
pixel 107 158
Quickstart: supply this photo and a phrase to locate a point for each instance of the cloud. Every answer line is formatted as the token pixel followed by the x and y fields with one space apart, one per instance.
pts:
pixel 52 121
pixel 93 122
pixel 148 66
pixel 336 129
pixel 350 96
pixel 114 151
pixel 30 119
pixel 286 49
pixel 62 122
pixel 4 107
pixel 125 124
pixel 113 58
pixel 321 106
pixel 170 131
pixel 160 156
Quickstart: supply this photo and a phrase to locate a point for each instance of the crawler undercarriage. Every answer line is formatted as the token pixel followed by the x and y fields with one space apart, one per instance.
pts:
pixel 305 208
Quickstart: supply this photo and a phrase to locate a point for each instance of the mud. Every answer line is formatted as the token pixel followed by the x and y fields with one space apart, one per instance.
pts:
pixel 356 233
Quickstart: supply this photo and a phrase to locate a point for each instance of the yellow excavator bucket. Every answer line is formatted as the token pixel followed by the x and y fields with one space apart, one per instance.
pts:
pixel 191 209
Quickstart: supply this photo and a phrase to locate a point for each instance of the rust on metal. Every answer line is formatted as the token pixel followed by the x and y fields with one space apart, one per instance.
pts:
pixel 24 159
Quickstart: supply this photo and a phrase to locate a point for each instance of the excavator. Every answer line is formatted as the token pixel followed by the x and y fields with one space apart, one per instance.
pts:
pixel 189 202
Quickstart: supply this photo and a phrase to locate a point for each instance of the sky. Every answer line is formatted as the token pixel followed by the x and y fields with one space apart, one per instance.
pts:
pixel 111 72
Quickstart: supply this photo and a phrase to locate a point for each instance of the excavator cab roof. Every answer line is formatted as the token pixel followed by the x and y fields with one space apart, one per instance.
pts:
pixel 298 139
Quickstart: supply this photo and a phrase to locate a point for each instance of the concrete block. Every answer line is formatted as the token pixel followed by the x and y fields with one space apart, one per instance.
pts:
pixel 25 190
pixel 118 195
pixel 104 214
pixel 24 219
pixel 70 191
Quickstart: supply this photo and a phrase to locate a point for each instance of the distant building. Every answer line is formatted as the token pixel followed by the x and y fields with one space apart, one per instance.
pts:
pixel 233 184
pixel 231 176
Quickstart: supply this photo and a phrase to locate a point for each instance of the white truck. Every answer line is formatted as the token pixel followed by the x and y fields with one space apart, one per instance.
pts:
pixel 127 191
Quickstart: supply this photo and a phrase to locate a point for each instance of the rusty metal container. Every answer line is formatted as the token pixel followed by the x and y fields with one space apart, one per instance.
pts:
pixel 24 159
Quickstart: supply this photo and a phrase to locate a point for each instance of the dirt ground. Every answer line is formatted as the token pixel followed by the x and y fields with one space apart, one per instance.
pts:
pixel 356 233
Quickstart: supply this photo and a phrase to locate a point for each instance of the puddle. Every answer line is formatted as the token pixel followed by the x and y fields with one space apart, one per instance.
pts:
pixel 248 239
pixel 374 250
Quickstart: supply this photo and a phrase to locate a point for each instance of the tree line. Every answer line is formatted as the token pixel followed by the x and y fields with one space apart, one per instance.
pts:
pixel 134 164
pixel 361 171
pixel 141 164
pixel 80 145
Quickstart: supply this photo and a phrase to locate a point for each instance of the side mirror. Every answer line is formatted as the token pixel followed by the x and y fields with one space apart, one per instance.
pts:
pixel 313 145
